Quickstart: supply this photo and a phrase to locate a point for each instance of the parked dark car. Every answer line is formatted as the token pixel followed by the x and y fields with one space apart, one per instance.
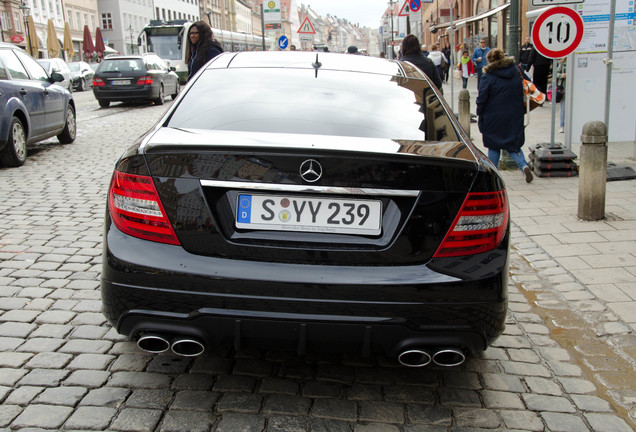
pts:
pixel 309 202
pixel 134 78
pixel 32 106
pixel 58 65
pixel 81 75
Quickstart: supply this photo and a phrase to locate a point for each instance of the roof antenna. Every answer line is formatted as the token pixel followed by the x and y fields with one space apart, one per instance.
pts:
pixel 316 65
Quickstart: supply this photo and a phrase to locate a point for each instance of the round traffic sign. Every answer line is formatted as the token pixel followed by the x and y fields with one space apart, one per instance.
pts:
pixel 282 42
pixel 415 5
pixel 557 32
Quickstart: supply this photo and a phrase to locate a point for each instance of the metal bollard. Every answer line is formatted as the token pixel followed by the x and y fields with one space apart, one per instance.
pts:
pixel 593 171
pixel 464 110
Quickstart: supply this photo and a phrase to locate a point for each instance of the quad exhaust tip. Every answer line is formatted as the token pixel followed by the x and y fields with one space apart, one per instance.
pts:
pixel 414 358
pixel 153 343
pixel 419 357
pixel 187 347
pixel 449 357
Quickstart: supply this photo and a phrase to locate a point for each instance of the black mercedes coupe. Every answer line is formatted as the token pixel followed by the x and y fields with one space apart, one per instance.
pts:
pixel 308 202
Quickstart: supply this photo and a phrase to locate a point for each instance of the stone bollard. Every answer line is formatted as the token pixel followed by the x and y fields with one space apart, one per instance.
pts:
pixel 464 110
pixel 593 171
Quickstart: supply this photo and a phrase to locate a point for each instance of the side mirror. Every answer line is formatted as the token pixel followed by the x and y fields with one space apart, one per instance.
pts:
pixel 57 77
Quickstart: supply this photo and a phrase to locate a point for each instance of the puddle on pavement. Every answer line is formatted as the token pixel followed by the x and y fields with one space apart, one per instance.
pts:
pixel 612 374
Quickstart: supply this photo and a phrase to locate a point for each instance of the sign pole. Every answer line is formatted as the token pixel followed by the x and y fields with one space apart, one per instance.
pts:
pixel 554 93
pixel 263 25
pixel 609 63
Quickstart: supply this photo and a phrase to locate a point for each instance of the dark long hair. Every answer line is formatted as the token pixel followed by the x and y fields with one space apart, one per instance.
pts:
pixel 206 39
pixel 411 45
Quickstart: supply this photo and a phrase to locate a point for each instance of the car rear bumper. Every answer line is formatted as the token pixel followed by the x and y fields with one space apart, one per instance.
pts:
pixel 126 94
pixel 162 288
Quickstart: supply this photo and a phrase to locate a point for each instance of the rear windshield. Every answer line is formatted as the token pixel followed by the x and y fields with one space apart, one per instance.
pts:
pixel 122 65
pixel 299 102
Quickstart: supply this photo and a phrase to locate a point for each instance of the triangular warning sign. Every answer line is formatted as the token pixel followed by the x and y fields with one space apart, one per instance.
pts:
pixel 405 9
pixel 306 27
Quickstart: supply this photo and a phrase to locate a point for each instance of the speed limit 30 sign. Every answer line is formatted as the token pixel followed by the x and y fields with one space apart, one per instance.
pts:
pixel 557 32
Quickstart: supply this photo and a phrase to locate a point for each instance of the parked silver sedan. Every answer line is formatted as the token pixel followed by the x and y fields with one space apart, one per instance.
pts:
pixel 58 65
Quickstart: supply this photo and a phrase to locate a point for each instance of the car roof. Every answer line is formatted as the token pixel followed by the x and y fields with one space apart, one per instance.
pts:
pixel 307 60
pixel 127 56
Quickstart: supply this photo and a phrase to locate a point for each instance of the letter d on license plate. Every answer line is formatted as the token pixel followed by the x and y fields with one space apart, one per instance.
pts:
pixel 309 214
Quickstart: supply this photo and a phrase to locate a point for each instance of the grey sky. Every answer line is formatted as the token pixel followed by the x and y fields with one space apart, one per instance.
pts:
pixel 367 13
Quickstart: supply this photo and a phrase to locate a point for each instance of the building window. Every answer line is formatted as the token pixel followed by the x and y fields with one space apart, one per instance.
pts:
pixel 18 21
pixel 79 20
pixel 107 21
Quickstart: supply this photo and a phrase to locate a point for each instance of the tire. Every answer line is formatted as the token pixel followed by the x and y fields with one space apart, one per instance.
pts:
pixel 15 153
pixel 104 104
pixel 162 96
pixel 176 90
pixel 67 135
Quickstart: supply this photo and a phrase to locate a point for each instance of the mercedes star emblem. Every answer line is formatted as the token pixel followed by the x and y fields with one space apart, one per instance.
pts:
pixel 311 170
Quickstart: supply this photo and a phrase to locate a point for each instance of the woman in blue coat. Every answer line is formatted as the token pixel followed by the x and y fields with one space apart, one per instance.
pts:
pixel 500 109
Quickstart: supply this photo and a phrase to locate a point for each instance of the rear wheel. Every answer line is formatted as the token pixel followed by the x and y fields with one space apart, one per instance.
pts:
pixel 67 135
pixel 162 96
pixel 14 153
pixel 104 104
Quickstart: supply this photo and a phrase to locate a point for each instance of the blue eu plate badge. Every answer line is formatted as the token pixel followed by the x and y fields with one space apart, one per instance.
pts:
pixel 245 209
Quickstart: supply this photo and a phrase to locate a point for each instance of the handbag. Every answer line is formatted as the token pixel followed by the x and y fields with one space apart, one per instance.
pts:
pixel 532 96
pixel 560 93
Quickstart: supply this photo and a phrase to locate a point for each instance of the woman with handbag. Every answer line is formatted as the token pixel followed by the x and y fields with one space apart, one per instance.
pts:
pixel 501 109
pixel 560 93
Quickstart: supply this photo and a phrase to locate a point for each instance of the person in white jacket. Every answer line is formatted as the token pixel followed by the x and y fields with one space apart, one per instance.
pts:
pixel 439 59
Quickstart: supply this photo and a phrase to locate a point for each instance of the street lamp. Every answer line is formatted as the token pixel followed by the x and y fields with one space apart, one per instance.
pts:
pixel 208 13
pixel 392 51
pixel 26 11
pixel 132 42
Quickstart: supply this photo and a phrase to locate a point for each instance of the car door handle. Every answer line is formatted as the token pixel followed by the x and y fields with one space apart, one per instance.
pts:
pixel 46 92
pixel 23 92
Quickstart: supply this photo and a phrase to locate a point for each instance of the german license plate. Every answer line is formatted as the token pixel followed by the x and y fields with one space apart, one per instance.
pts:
pixel 120 82
pixel 309 214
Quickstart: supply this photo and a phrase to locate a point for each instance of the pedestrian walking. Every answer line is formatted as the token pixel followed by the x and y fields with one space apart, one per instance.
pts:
pixel 526 54
pixel 201 47
pixel 439 60
pixel 480 59
pixel 447 70
pixel 466 67
pixel 500 110
pixel 542 67
pixel 412 53
pixel 425 50
pixel 561 76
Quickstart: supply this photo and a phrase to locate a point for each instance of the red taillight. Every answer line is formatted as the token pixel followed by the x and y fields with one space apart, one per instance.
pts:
pixel 479 227
pixel 144 80
pixel 136 210
pixel 98 82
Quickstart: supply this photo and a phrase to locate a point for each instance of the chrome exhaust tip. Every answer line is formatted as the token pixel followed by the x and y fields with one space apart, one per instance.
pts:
pixel 414 358
pixel 449 357
pixel 187 347
pixel 153 343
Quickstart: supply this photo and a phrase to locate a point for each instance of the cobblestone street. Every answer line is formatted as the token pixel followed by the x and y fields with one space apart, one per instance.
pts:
pixel 62 367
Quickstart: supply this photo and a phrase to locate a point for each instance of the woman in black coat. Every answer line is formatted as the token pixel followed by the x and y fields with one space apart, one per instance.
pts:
pixel 412 53
pixel 500 109
pixel 201 47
